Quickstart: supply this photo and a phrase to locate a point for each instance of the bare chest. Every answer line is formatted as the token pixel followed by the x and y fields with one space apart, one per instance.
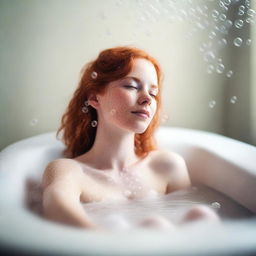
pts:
pixel 135 183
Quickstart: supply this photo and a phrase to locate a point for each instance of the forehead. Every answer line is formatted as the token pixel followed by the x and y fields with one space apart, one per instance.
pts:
pixel 144 70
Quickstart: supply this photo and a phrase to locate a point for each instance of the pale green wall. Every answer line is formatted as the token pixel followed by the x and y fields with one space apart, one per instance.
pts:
pixel 44 44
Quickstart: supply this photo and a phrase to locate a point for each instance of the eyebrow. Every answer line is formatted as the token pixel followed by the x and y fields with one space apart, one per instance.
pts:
pixel 136 79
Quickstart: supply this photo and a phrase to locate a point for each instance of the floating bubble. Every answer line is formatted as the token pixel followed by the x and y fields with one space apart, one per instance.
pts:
pixel 212 34
pixel 238 41
pixel 210 69
pixel 220 68
pixel 248 41
pixel 222 42
pixel 233 99
pixel 239 23
pixel 240 12
pixel 94 75
pixel 222 17
pixel 33 122
pixel 209 56
pixel 241 8
pixel 229 73
pixel 215 13
pixel 85 110
pixel 227 2
pixel 216 205
pixel 212 103
pixel 250 20
pixel 94 123
pixel 228 23
pixel 251 12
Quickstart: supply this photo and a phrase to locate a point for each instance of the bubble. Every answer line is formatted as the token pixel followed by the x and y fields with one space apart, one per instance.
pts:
pixel 238 41
pixel 210 69
pixel 94 123
pixel 248 41
pixel 216 205
pixel 240 12
pixel 227 2
pixel 212 103
pixel 85 110
pixel 239 23
pixel 233 99
pixel 33 122
pixel 94 75
pixel 222 17
pixel 215 13
pixel 251 12
pixel 250 20
pixel 220 68
pixel 209 56
pixel 212 34
pixel 229 73
pixel 222 42
pixel 241 8
pixel 228 23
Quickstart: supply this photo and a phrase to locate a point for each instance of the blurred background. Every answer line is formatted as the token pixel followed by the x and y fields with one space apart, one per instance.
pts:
pixel 207 50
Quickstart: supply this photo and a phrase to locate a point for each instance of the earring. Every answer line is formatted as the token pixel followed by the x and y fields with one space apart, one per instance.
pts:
pixel 85 109
pixel 94 123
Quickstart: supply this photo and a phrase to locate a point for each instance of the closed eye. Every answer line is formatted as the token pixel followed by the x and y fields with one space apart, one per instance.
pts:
pixel 130 86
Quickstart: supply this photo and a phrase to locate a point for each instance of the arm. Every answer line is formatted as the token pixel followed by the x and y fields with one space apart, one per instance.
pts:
pixel 61 194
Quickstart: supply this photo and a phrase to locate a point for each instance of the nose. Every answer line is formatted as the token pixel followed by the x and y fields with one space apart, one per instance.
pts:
pixel 145 98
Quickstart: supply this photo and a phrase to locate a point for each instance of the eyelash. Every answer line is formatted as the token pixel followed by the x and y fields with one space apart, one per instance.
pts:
pixel 130 86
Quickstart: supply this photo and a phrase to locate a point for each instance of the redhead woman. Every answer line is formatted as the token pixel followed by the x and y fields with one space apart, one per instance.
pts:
pixel 110 153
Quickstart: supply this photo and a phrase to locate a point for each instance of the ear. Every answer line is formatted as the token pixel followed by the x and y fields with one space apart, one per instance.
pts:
pixel 93 101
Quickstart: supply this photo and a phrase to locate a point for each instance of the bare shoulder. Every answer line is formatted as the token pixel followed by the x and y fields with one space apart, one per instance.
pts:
pixel 166 159
pixel 61 169
pixel 172 167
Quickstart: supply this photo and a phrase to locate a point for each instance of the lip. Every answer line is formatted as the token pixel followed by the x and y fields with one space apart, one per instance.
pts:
pixel 142 113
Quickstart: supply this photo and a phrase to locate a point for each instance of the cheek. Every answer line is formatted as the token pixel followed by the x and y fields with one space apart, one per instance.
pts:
pixel 121 99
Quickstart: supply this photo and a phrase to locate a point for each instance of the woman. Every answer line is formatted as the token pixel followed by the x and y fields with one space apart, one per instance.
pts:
pixel 108 130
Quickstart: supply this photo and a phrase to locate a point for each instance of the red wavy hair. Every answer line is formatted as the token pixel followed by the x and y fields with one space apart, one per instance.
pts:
pixel 112 64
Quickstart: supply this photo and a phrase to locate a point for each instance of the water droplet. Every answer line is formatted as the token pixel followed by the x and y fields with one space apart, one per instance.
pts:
pixel 248 41
pixel 212 103
pixel 34 122
pixel 233 99
pixel 94 75
pixel 216 205
pixel 228 23
pixel 229 73
pixel 238 41
pixel 220 68
pixel 239 23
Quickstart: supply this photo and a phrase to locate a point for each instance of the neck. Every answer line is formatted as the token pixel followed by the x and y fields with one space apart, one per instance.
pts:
pixel 113 149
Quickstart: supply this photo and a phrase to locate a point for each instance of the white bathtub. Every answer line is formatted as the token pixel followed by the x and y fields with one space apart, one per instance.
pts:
pixel 227 166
